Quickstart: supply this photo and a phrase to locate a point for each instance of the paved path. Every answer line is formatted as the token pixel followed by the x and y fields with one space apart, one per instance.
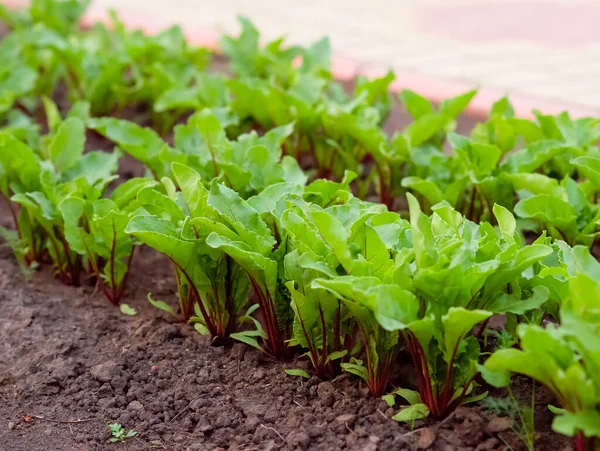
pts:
pixel 543 48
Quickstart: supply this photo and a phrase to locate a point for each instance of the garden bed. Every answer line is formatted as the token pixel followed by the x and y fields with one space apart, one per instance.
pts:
pixel 68 356
pixel 287 262
pixel 73 364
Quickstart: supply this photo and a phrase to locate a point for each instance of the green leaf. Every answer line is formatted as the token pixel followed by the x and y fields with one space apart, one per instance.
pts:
pixel 161 305
pixel 66 147
pixel 590 167
pixel 336 355
pixel 247 339
pixel 356 369
pixel 416 105
pixel 127 310
pixel 457 323
pixel 506 222
pixel 426 188
pixel 456 105
pixel 412 413
pixel 570 423
pixel 201 328
pixel 389 399
pixel 473 399
pixel 297 372
pixel 413 397
pixel 548 210
pixel 506 303
pixel 141 143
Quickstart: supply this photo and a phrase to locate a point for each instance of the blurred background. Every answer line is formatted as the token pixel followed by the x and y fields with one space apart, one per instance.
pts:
pixel 544 48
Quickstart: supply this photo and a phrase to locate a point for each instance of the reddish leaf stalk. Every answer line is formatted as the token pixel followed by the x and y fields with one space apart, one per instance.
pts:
pixel 275 343
pixel 441 403
pixel 379 377
pixel 195 295
pixel 583 443
pixel 321 367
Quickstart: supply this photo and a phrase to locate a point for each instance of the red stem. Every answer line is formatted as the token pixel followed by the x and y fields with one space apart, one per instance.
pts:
pixel 275 344
pixel 207 318
pixel 580 441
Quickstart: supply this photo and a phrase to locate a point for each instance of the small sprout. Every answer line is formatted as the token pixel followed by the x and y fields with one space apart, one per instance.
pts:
pixel 297 372
pixel 118 433
pixel 127 310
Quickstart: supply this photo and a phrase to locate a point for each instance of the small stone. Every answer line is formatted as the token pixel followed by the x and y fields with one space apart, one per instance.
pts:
pixel 203 424
pixel 238 350
pixel 179 438
pixel 104 372
pixel 364 392
pixel 327 401
pixel 268 445
pixel 448 447
pixel 11 425
pixel 341 422
pixel 347 418
pixel 374 439
pixel 499 424
pixel 252 421
pixel 300 439
pixel 426 438
pixel 135 406
pixel 325 389
pixel 489 445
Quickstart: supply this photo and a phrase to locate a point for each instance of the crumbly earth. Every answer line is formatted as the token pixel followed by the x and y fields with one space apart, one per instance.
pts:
pixel 71 364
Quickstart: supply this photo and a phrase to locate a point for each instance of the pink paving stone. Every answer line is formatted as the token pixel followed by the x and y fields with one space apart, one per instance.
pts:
pixel 342 68
pixel 545 23
pixel 207 38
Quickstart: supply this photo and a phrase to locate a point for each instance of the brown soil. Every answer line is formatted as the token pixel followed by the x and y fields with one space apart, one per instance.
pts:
pixel 71 363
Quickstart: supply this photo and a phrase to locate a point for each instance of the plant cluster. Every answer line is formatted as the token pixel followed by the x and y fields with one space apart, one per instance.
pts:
pixel 295 224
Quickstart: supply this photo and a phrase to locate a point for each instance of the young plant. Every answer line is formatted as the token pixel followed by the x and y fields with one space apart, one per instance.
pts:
pixel 118 433
pixel 177 224
pixel 323 324
pixel 564 210
pixel 20 170
pixel 65 173
pixel 242 234
pixel 520 414
pixel 458 267
pixel 247 165
pixel 563 358
pixel 96 231
pixel 381 310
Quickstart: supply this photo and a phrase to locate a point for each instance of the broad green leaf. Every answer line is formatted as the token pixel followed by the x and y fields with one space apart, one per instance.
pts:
pixel 570 423
pixel 456 105
pixel 506 222
pixel 416 105
pixel 413 397
pixel 66 146
pixel 457 323
pixel 590 167
pixel 548 210
pixel 412 413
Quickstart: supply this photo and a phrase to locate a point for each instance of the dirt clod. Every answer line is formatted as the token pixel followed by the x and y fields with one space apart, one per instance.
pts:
pixel 426 438
pixel 499 424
